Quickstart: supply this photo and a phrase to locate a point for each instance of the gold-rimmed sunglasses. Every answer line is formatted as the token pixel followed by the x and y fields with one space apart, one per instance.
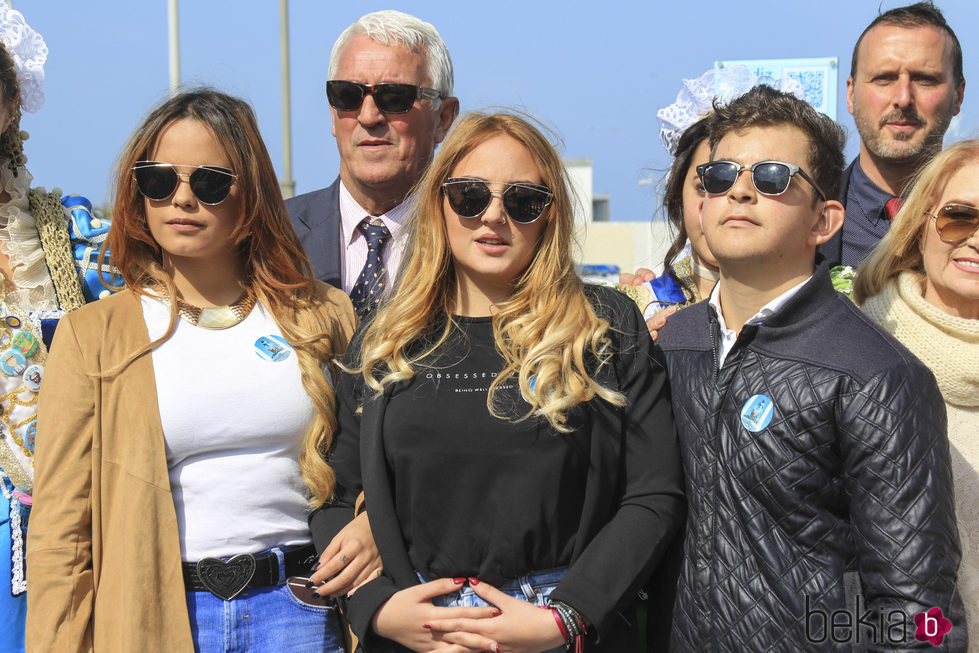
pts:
pixel 956 222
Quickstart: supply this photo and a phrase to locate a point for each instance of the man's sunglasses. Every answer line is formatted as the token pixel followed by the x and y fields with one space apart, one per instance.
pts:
pixel 769 177
pixel 956 222
pixel 523 203
pixel 389 97
pixel 158 181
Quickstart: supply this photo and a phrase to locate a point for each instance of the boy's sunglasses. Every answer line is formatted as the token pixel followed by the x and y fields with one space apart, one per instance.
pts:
pixel 389 97
pixel 769 177
pixel 956 222
pixel 158 181
pixel 523 203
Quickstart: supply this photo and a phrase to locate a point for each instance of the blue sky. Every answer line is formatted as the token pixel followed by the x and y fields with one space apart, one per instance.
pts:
pixel 595 72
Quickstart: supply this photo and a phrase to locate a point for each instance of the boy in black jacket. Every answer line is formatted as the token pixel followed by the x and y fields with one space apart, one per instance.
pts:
pixel 820 493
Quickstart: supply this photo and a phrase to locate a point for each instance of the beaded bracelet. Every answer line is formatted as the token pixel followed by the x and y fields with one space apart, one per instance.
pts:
pixel 571 624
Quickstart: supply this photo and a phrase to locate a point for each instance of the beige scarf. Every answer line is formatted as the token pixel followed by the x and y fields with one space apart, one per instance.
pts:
pixel 948 345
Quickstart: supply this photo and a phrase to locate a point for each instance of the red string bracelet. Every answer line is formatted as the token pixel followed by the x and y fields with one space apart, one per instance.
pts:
pixel 560 624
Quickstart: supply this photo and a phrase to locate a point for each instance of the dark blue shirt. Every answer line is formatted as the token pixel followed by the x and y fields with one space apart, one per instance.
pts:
pixel 865 223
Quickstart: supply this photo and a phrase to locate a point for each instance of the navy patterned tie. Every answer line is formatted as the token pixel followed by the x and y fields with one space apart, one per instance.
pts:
pixel 369 287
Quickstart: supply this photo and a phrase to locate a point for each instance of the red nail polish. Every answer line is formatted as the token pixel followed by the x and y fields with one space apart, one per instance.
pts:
pixel 458 581
pixel 497 613
pixel 496 648
pixel 473 581
pixel 429 626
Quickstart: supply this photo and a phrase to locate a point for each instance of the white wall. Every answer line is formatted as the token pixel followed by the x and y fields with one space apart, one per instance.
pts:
pixel 627 244
pixel 580 172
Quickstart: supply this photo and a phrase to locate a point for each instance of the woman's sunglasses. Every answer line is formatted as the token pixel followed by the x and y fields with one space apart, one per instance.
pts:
pixel 769 177
pixel 158 181
pixel 956 222
pixel 389 97
pixel 523 203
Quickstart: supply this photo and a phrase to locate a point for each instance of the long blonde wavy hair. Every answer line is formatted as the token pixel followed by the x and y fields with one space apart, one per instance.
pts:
pixel 900 248
pixel 273 266
pixel 546 331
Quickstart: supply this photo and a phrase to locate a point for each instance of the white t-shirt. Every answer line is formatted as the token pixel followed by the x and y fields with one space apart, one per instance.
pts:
pixel 233 422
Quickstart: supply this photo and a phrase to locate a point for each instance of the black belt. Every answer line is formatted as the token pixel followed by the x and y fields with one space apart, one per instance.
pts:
pixel 226 579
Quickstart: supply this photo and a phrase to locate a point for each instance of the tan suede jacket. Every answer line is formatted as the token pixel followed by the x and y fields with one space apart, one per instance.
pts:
pixel 103 550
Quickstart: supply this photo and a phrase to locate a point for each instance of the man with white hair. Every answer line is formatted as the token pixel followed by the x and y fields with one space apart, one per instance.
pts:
pixel 390 90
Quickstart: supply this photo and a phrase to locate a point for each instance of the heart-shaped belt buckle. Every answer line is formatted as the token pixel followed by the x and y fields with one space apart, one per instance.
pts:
pixel 226 579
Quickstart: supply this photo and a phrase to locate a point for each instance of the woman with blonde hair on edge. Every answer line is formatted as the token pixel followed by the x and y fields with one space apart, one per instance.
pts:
pixel 181 432
pixel 921 283
pixel 515 431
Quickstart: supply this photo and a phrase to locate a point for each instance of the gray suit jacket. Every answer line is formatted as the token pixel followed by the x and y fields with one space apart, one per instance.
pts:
pixel 316 218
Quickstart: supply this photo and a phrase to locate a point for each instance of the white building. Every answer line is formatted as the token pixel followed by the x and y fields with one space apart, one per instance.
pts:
pixel 628 245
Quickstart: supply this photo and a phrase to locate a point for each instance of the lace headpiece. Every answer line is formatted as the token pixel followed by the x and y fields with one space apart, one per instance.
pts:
pixel 29 52
pixel 696 99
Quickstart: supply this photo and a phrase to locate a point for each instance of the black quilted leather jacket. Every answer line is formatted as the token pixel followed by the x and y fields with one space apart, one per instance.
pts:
pixel 841 504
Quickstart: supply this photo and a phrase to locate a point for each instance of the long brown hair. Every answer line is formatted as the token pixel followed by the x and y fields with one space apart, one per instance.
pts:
pixel 269 249
pixel 546 329
pixel 11 144
pixel 274 267
pixel 689 141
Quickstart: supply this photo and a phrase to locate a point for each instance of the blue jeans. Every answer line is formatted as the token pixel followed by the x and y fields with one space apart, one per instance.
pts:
pixel 533 588
pixel 263 620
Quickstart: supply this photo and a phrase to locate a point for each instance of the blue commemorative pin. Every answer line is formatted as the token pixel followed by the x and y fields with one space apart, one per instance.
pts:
pixel 32 377
pixel 30 435
pixel 533 390
pixel 12 362
pixel 273 348
pixel 757 413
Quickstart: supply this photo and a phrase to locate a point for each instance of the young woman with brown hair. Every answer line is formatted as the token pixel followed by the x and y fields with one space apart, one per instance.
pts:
pixel 181 431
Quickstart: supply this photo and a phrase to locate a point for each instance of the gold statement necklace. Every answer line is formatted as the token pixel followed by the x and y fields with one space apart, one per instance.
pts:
pixel 215 317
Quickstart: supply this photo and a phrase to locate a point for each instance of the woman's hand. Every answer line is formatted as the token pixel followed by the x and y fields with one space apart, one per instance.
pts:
pixel 521 628
pixel 408 618
pixel 350 561
pixel 641 276
pixel 658 320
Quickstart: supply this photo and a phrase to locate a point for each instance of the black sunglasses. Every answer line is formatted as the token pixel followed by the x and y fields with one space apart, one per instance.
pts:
pixel 388 96
pixel 769 177
pixel 956 222
pixel 158 181
pixel 523 203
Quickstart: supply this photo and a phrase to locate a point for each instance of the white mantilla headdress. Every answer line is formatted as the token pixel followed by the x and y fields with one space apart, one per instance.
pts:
pixel 29 52
pixel 696 99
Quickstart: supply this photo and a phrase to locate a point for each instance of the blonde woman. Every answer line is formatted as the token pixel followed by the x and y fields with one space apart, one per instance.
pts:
pixel 921 283
pixel 182 424
pixel 517 442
